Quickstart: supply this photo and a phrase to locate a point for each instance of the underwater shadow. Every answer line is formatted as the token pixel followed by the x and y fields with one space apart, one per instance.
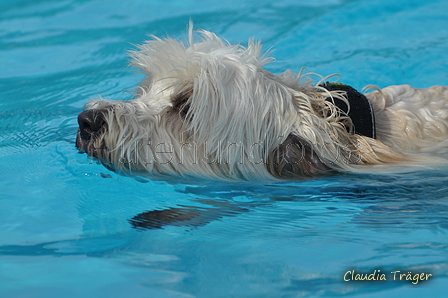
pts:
pixel 405 201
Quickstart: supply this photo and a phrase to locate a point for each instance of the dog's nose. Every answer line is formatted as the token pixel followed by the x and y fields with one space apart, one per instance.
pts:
pixel 90 122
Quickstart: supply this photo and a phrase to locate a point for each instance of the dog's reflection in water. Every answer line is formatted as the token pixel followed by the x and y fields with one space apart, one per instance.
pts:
pixel 186 216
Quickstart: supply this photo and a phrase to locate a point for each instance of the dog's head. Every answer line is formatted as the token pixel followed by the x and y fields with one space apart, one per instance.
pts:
pixel 209 109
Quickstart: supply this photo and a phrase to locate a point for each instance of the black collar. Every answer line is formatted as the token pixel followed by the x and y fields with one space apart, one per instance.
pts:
pixel 361 111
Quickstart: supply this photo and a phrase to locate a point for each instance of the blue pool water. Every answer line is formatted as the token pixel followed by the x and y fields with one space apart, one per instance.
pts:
pixel 66 222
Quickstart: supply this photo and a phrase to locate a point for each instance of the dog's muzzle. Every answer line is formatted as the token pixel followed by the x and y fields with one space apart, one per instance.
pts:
pixel 91 124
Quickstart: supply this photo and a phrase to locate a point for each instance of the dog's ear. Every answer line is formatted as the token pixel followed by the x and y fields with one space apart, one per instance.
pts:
pixel 294 158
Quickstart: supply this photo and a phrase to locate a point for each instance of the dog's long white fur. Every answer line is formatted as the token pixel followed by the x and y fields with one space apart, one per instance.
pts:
pixel 412 120
pixel 234 114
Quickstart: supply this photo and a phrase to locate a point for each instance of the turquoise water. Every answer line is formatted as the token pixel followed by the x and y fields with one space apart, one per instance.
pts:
pixel 66 223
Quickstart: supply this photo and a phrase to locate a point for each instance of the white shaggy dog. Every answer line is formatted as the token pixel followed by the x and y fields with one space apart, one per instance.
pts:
pixel 209 109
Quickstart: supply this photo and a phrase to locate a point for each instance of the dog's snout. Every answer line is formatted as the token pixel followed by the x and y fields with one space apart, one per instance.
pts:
pixel 90 122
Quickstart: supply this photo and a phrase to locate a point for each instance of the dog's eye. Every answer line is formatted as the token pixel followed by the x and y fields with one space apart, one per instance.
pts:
pixel 181 104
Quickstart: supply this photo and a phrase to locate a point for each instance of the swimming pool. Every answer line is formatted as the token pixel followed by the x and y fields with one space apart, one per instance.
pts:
pixel 67 223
